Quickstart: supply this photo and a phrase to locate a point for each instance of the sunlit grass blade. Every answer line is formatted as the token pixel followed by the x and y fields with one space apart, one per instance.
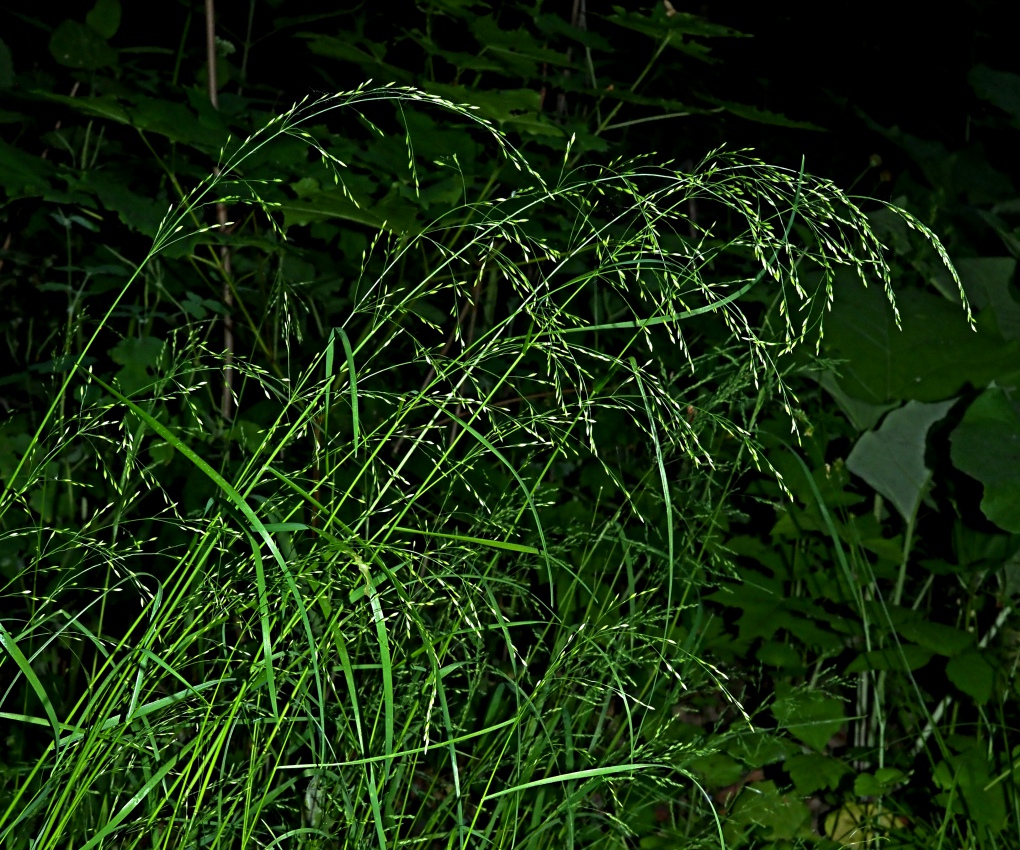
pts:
pixel 12 649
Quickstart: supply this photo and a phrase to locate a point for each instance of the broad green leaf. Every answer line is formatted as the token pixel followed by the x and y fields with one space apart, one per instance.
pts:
pixel 763 805
pixel 78 46
pixel 809 715
pixel 136 356
pixel 891 459
pixel 986 446
pixel 933 357
pixel 812 635
pixel 939 638
pixel 510 105
pixel 517 49
pixel 973 675
pixel 907 656
pixel 104 17
pixel 718 769
pixel 863 415
pixel 812 772
pixel 987 282
pixel 917 628
pixel 177 122
pixel 831 480
pixel 763 116
pixel 976 180
pixel 932 157
pixel 880 782
pixel 98 107
pixel 323 206
pixel 757 749
pixel 1000 88
pixel 139 212
pixel 969 774
pixel 474 62
pixel 248 434
pixel 628 96
pixel 778 654
pixel 13 444
pixel 660 22
pixel 347 49
pixel 22 174
pixel 558 25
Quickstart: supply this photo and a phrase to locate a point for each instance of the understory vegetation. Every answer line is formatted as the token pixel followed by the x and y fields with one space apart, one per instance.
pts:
pixel 408 468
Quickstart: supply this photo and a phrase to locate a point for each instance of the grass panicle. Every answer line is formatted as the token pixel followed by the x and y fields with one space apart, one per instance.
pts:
pixel 385 627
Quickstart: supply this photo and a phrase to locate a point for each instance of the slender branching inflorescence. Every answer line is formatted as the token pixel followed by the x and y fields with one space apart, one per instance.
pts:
pixel 381 630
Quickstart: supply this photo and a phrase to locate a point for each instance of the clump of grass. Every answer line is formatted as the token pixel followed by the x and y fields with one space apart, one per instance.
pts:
pixel 393 624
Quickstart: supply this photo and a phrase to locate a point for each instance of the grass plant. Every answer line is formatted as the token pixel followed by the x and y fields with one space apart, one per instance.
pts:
pixel 394 619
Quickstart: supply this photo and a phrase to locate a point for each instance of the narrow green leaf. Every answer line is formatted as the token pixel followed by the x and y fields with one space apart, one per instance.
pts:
pixel 666 499
pixel 14 651
pixel 465 538
pixel 566 777
pixel 354 385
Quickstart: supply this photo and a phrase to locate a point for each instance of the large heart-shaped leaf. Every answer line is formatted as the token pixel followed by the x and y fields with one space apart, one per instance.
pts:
pixel 78 46
pixel 931 359
pixel 986 445
pixel 891 459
